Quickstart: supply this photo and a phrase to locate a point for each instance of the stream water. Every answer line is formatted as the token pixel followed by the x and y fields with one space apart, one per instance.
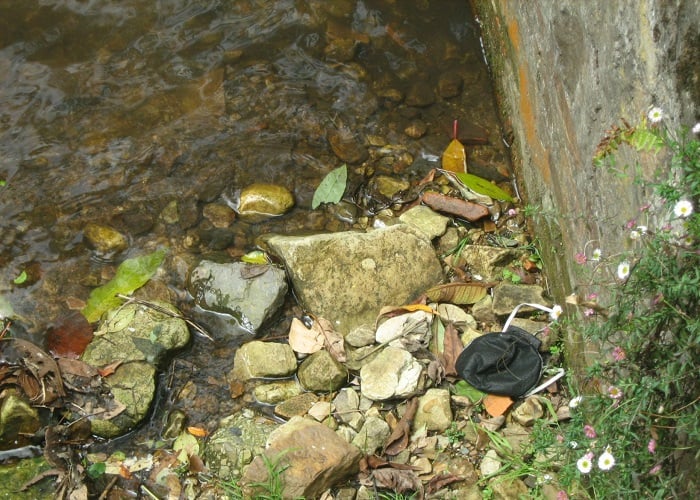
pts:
pixel 113 112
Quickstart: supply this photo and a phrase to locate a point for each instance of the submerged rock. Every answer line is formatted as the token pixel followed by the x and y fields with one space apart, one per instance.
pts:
pixel 258 359
pixel 105 240
pixel 18 421
pixel 261 201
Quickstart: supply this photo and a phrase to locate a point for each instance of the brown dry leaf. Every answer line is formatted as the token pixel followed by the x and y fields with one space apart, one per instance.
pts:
pixel 408 308
pixel 253 270
pixel 459 293
pixel 305 340
pixel 439 482
pixel 108 370
pixel 236 389
pixel 400 481
pixel 454 158
pixel 497 405
pixel 334 341
pixel 399 438
pixel 453 348
pixel 71 366
pixel 37 364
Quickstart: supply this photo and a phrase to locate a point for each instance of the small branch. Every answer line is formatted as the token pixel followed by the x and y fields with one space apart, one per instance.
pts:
pixel 165 311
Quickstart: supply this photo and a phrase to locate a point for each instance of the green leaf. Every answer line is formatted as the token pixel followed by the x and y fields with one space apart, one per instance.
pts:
pixel 482 186
pixel 255 257
pixel 331 188
pixel 131 274
pixel 463 388
pixel 644 139
pixel 21 278
pixel 96 470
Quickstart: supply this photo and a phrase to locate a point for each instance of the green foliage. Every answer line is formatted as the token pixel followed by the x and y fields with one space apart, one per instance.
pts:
pixel 511 276
pixel 273 487
pixel 331 188
pixel 454 434
pixel 463 388
pixel 640 400
pixel 96 470
pixel 131 275
pixel 21 278
pixel 482 186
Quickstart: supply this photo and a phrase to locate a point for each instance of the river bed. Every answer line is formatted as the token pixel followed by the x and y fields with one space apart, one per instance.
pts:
pixel 119 113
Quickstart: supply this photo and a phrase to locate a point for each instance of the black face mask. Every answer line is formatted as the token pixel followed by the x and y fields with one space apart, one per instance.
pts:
pixel 506 363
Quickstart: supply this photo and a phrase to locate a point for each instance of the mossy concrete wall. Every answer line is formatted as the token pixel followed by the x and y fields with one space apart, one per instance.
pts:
pixel 565 72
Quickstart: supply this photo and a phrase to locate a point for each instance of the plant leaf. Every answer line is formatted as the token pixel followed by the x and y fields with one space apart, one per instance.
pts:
pixel 458 293
pixel 331 188
pixel 465 389
pixel 454 158
pixel 305 340
pixel 131 275
pixel 482 186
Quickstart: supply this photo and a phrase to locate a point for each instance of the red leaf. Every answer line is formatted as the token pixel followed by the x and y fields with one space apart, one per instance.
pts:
pixel 69 337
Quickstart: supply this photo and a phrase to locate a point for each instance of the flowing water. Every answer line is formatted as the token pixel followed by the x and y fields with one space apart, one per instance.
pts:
pixel 116 112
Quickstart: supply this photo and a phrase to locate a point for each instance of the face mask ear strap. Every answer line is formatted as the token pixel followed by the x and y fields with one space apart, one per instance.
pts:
pixel 517 308
pixel 546 383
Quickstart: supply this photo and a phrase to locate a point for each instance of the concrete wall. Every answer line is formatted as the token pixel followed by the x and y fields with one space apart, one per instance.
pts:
pixel 565 72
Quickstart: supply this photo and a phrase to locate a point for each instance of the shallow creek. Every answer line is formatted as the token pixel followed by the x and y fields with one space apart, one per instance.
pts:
pixel 116 112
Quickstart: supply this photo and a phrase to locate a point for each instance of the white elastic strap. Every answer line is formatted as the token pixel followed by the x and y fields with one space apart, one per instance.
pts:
pixel 546 383
pixel 517 308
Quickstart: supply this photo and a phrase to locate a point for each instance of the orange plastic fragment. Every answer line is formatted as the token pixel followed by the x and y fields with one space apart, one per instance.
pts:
pixel 497 405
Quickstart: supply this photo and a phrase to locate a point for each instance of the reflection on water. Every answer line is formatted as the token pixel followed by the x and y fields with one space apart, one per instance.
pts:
pixel 112 110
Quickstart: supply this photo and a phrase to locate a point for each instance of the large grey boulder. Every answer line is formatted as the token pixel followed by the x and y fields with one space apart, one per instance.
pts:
pixel 347 277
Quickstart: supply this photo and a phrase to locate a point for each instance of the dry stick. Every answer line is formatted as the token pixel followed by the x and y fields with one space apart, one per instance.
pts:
pixel 163 310
pixel 108 488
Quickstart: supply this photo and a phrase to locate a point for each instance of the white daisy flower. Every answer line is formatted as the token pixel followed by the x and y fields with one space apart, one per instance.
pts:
pixel 623 270
pixel 696 128
pixel 683 208
pixel 575 402
pixel 606 461
pixel 655 114
pixel 584 464
pixel 555 312
pixel 597 254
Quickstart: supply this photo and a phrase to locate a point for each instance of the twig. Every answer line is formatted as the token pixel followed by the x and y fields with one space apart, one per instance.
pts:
pixel 108 488
pixel 165 311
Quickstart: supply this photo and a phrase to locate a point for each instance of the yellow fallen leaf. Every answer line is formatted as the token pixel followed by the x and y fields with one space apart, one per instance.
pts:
pixel 454 158
pixel 197 431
